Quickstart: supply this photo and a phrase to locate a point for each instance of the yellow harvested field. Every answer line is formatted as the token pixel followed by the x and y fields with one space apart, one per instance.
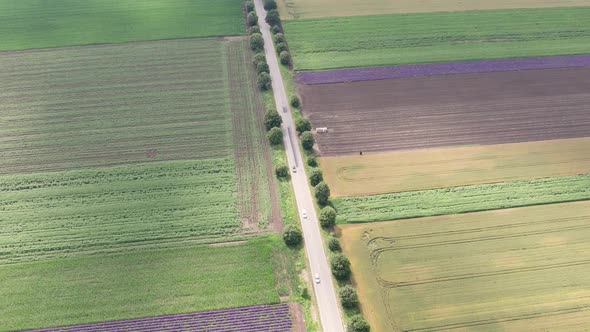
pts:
pixel 294 9
pixel 522 269
pixel 409 170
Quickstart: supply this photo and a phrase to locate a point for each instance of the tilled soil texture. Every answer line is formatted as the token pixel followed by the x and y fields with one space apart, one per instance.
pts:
pixel 422 112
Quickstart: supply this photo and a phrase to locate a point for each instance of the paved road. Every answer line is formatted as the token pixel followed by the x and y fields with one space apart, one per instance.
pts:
pixel 330 316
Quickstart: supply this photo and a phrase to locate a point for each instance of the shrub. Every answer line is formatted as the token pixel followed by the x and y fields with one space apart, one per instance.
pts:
pixel 285 58
pixel 327 217
pixel 252 19
pixel 340 267
pixel 292 235
pixel 307 140
pixel 273 17
pixel 259 57
pixel 322 193
pixel 269 4
pixel 282 172
pixel 275 29
pixel 302 125
pixel 256 42
pixel 278 38
pixel 315 177
pixel 275 136
pixel 263 80
pixel 303 292
pixel 262 67
pixel 249 6
pixel 281 47
pixel 295 102
pixel 348 297
pixel 312 161
pixel 254 29
pixel 334 244
pixel 358 323
pixel 272 119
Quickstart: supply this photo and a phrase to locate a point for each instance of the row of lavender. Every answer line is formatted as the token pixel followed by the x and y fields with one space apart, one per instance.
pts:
pixel 257 318
pixel 443 68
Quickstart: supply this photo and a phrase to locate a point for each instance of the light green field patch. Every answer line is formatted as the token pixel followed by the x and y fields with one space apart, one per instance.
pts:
pixel 434 202
pixel 435 37
pixel 296 9
pixel 505 270
pixel 26 24
pixel 139 284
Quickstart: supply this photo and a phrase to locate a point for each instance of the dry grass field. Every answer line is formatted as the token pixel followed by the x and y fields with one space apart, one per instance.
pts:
pixel 505 270
pixel 437 111
pixel 408 170
pixel 294 9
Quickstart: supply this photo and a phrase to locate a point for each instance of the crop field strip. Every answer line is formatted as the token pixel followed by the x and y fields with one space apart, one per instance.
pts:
pixel 381 40
pixel 440 68
pixel 100 106
pixel 257 318
pixel 117 209
pixel 441 111
pixel 497 270
pixel 462 199
pixel 28 24
pixel 408 170
pixel 298 9
pixel 143 283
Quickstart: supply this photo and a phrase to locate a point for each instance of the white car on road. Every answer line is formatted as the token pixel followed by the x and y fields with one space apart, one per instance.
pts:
pixel 304 214
pixel 317 278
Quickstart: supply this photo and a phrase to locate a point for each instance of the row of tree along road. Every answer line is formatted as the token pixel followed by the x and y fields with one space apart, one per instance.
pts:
pixel 292 234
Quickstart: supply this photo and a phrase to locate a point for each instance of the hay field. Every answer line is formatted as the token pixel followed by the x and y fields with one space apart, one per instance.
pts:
pixel 27 24
pixel 408 170
pixel 380 40
pixel 507 270
pixel 296 9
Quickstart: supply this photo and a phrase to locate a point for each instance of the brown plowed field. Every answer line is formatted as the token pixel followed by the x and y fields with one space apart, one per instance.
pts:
pixel 491 108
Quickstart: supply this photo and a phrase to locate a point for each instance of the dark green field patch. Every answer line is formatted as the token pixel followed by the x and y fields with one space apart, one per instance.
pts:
pixel 26 24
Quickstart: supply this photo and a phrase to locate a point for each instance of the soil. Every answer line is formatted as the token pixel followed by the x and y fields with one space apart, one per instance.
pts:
pixel 424 112
pixel 297 317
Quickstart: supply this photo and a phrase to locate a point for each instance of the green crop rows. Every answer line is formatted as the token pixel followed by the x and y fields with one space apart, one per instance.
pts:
pixel 117 208
pixel 462 199
pixel 138 284
pixel 118 104
pixel 27 24
pixel 441 36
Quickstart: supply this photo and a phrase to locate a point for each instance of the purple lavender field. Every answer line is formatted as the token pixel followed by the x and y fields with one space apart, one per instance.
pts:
pixel 442 68
pixel 257 318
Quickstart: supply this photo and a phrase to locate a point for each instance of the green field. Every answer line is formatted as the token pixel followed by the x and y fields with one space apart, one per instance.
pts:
pixel 442 36
pixel 26 24
pixel 109 105
pixel 462 199
pixel 115 161
pixel 117 209
pixel 150 282
pixel 524 269
pixel 131 104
